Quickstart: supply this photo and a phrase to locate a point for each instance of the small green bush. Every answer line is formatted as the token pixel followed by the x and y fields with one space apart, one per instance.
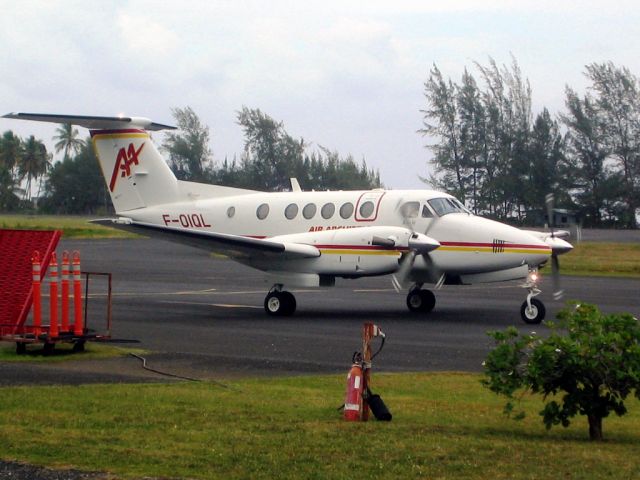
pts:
pixel 588 365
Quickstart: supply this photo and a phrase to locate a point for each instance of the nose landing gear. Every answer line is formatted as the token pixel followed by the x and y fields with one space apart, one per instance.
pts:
pixel 419 300
pixel 532 310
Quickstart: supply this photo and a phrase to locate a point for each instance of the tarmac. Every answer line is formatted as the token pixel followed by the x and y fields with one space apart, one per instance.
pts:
pixel 202 317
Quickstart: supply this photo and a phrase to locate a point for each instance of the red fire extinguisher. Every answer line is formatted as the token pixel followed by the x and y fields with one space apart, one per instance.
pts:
pixel 353 397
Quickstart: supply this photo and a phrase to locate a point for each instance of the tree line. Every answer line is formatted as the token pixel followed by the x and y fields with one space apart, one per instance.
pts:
pixel 270 158
pixel 492 152
pixel 489 150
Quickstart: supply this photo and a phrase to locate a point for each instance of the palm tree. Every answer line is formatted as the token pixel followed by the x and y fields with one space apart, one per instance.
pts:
pixel 10 156
pixel 34 162
pixel 67 139
pixel 9 190
pixel 10 150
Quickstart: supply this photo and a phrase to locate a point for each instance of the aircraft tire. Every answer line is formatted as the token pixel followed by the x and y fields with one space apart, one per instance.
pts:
pixel 535 314
pixel 289 303
pixel 280 304
pixel 421 301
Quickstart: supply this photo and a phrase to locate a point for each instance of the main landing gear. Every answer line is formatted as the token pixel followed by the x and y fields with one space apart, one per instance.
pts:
pixel 279 302
pixel 420 300
pixel 532 310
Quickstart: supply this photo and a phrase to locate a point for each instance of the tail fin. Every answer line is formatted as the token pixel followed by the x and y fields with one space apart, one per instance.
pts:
pixel 135 172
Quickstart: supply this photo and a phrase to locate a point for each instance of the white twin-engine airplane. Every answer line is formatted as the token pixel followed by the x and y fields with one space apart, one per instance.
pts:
pixel 307 239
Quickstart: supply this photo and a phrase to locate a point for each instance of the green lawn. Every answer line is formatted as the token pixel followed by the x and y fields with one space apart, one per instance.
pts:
pixel 71 226
pixel 444 426
pixel 63 352
pixel 602 259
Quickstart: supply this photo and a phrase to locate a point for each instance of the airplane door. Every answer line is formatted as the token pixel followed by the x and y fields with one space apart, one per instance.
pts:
pixel 368 205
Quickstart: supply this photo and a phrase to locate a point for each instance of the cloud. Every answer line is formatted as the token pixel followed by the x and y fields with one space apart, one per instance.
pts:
pixel 146 37
pixel 348 75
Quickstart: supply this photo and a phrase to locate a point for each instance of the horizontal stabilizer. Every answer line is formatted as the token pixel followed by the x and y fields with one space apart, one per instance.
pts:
pixel 93 123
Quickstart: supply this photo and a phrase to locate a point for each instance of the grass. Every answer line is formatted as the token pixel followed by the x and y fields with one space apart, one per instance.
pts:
pixel 444 426
pixel 64 352
pixel 603 259
pixel 71 226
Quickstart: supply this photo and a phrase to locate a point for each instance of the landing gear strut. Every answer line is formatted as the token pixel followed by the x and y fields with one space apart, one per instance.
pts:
pixel 419 300
pixel 279 302
pixel 532 310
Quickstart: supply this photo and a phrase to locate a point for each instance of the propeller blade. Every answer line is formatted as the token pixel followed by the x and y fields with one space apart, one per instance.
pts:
pixel 401 276
pixel 549 200
pixel 558 293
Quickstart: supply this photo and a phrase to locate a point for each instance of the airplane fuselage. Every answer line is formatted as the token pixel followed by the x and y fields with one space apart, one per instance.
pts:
pixel 341 225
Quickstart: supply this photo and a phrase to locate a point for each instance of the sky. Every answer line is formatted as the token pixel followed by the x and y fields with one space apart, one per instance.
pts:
pixel 346 75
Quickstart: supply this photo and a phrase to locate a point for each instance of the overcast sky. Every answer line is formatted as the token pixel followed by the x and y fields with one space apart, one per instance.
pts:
pixel 347 75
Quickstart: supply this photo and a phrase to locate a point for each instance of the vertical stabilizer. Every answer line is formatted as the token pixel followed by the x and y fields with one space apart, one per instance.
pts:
pixel 135 172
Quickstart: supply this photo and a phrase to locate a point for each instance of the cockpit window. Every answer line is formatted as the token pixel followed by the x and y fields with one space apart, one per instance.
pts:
pixel 444 206
pixel 426 213
pixel 410 209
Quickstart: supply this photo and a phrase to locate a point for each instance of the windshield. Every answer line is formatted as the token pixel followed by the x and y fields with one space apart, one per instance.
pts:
pixel 443 206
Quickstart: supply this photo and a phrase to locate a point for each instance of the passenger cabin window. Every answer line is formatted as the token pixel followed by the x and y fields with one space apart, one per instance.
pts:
pixel 328 209
pixel 410 209
pixel 309 211
pixel 346 210
pixel 366 209
pixel 231 211
pixel 262 211
pixel 291 211
pixel 444 206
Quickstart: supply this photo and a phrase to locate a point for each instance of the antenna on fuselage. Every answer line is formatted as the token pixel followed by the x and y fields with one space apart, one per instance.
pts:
pixel 295 186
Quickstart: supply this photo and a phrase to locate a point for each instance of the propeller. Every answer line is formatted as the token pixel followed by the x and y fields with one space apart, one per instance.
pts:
pixel 558 246
pixel 418 244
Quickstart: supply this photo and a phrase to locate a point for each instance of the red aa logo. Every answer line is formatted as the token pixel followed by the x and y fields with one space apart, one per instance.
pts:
pixel 123 163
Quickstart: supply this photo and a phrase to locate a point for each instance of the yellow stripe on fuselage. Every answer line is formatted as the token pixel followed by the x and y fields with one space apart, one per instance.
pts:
pixel 530 251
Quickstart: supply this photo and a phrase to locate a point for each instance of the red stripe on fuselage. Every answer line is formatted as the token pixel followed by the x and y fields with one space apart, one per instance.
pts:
pixel 506 245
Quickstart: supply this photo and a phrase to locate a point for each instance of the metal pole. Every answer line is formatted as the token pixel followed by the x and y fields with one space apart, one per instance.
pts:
pixel 37 299
pixel 77 295
pixel 53 296
pixel 367 335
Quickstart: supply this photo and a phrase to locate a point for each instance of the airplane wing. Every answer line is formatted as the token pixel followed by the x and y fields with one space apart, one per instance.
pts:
pixel 235 246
